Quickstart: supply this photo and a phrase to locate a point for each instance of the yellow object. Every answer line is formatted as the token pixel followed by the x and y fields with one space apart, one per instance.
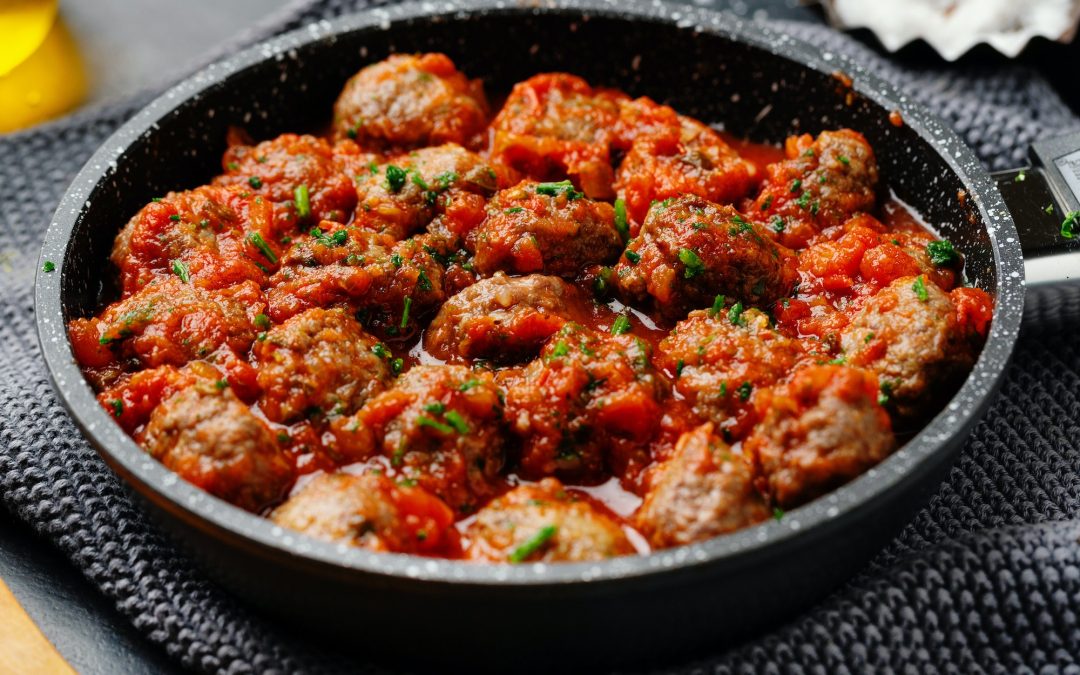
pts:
pixel 41 72
pixel 23 649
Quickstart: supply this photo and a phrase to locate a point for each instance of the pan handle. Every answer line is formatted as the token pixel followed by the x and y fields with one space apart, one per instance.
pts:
pixel 1044 200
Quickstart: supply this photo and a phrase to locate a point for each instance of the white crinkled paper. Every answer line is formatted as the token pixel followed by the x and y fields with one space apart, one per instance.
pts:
pixel 952 27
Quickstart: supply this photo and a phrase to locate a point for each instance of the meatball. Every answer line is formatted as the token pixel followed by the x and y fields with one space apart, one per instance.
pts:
pixel 298 173
pixel 411 101
pixel 588 396
pixel 213 441
pixel 817 431
pixel 705 489
pixel 822 182
pixel 544 227
pixel 438 426
pixel 320 362
pixel 909 336
pixel 406 193
pixel 690 250
pixel 672 155
pixel 134 396
pixel 543 523
pixel 503 318
pixel 555 125
pixel 213 236
pixel 370 511
pixel 392 285
pixel 719 357
pixel 169 322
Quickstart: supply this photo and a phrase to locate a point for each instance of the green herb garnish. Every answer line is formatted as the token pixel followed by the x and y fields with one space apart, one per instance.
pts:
pixel 457 421
pixel 620 219
pixel 621 325
pixel 302 200
pixel 1070 226
pixel 405 313
pixel 744 391
pixel 553 189
pixel 533 544
pixel 942 252
pixel 48 266
pixel 717 305
pixel 256 239
pixel 631 257
pixel 425 421
pixel 920 289
pixel 395 178
pixel 255 182
pixel 692 262
pixel 735 314
pixel 180 269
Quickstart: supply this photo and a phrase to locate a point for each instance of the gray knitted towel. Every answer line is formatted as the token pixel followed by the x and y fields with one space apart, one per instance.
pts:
pixel 986 577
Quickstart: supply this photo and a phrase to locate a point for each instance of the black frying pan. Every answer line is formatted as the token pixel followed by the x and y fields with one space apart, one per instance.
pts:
pixel 714 66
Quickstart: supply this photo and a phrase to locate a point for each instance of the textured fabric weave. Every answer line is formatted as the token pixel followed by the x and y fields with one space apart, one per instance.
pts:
pixel 987 577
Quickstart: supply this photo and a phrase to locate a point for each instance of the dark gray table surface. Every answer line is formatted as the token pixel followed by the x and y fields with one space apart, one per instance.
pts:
pixel 131 46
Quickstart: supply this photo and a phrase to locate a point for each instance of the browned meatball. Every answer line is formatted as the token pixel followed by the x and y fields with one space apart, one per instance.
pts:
pixel 369 511
pixel 438 426
pixel 213 236
pixel 909 335
pixel 408 191
pixel 822 183
pixel 319 362
pixel 169 322
pixel 544 227
pixel 588 396
pixel 704 490
pixel 503 318
pixel 410 101
pixel 213 441
pixel 671 154
pixel 299 173
pixel 392 285
pixel 543 523
pixel 817 431
pixel 719 357
pixel 690 250
pixel 555 125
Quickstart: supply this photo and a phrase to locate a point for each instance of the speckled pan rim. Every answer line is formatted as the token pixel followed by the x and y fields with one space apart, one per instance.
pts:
pixel 908 464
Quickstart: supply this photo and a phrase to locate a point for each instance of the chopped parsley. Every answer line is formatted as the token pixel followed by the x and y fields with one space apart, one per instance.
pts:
pixel 885 393
pixel 513 209
pixel 221 385
pixel 795 185
pixel 48 266
pixel 395 178
pixel 1070 226
pixel 778 224
pixel 692 262
pixel 422 281
pixel 844 160
pixel 560 349
pixel 767 203
pixel 425 421
pixel 631 257
pixel 564 187
pixel 255 182
pixel 468 384
pixel 620 219
pixel 175 218
pixel 533 544
pixel 396 259
pixel 804 200
pixel 679 368
pixel 621 325
pixel 745 390
pixel 180 269
pixel 397 365
pixel 920 289
pixel 717 305
pixel 778 514
pixel 380 350
pixel 258 242
pixel 735 314
pixel 330 240
pixel 455 420
pixel 1049 209
pixel 262 322
pixel 117 407
pixel 942 252
pixel 405 313
pixel 1020 177
pixel 302 200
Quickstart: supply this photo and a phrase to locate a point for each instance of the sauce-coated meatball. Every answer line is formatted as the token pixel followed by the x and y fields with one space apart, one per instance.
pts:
pixel 214 236
pixel 718 358
pixel 438 426
pixel 588 396
pixel 690 250
pixel 909 335
pixel 704 490
pixel 670 155
pixel 319 362
pixel 555 125
pixel 213 441
pixel 404 194
pixel 543 523
pixel 298 173
pixel 502 318
pixel 370 511
pixel 410 101
pixel 817 431
pixel 169 322
pixel 544 227
pixel 391 284
pixel 822 182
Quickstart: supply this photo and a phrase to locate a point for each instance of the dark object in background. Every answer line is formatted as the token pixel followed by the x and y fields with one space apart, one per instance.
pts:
pixel 530 615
